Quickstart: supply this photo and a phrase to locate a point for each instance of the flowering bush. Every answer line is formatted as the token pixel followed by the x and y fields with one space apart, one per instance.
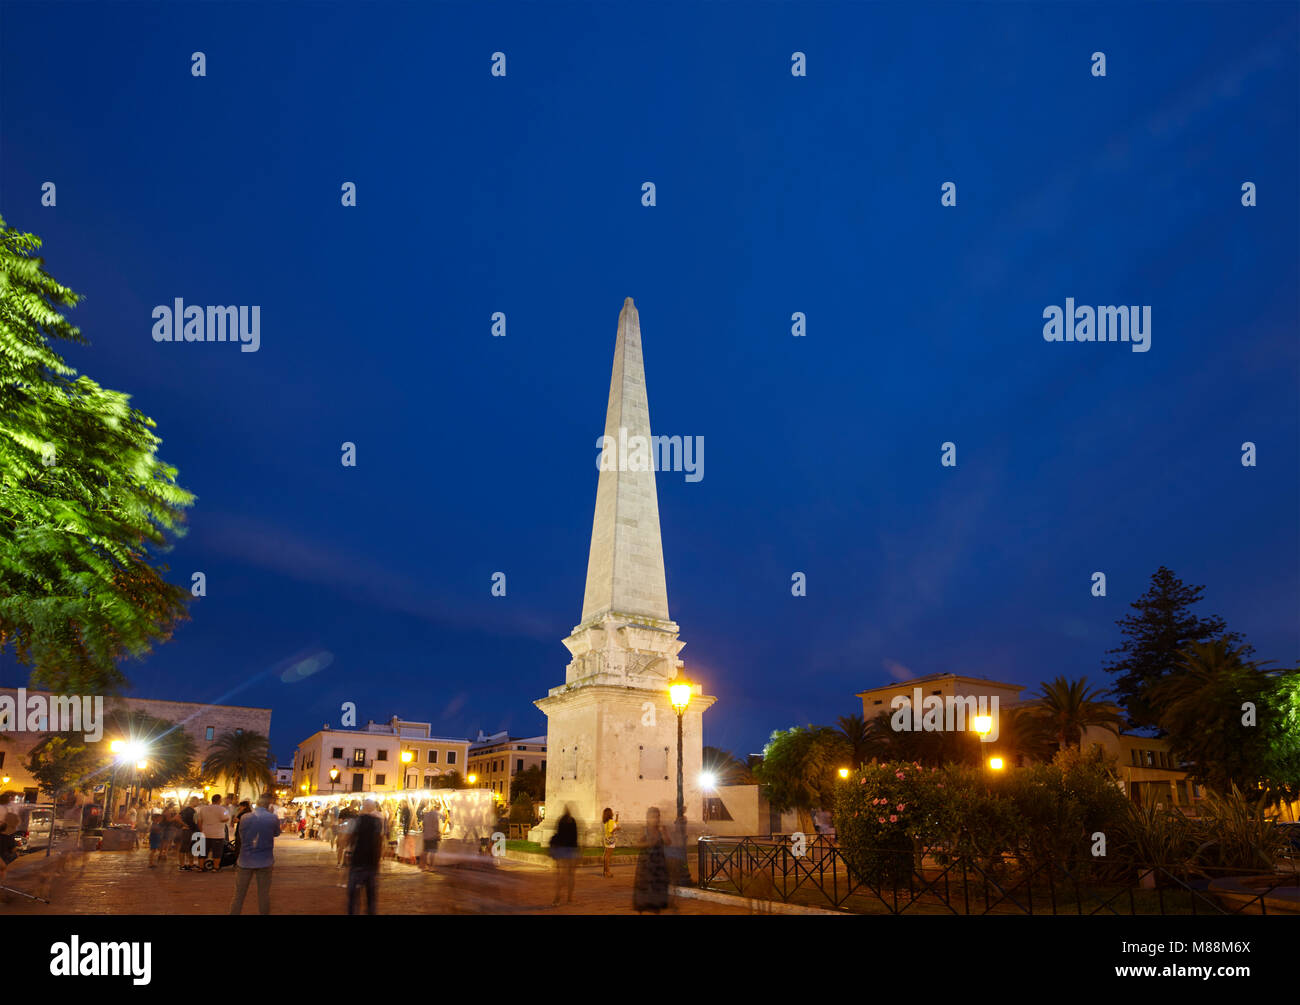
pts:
pixel 891 815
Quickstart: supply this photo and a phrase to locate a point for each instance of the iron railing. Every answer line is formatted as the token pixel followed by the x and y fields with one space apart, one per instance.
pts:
pixel 924 883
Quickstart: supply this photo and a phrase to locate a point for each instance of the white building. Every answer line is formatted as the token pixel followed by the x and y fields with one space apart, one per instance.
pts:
pixel 381 757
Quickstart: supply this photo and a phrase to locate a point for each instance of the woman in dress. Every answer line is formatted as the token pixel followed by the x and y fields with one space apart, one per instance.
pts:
pixel 650 888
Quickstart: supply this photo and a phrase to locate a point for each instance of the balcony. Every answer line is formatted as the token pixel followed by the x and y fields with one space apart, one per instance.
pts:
pixel 357 765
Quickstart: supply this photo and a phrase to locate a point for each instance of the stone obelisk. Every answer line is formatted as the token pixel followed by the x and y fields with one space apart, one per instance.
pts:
pixel 611 731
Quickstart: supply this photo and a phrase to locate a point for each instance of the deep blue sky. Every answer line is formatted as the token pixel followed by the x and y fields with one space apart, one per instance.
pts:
pixel 775 195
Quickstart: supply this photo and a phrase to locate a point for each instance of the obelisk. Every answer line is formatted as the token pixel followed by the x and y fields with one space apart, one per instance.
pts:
pixel 611 731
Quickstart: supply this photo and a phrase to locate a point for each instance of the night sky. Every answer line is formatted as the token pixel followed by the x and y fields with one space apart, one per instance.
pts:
pixel 775 194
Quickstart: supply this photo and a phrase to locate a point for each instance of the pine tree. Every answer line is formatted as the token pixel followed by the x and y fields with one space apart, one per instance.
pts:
pixel 84 501
pixel 1163 626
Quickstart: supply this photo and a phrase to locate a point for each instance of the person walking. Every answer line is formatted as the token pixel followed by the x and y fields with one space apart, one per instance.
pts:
pixel 650 887
pixel 609 826
pixel 431 822
pixel 565 851
pixel 367 849
pixel 258 831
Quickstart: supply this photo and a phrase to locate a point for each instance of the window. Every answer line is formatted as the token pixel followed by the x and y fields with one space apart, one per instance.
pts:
pixel 2 758
pixel 936 692
pixel 519 764
pixel 1134 753
pixel 544 771
pixel 433 757
pixel 207 733
pixel 878 701
pixel 451 757
pixel 428 781
pixel 379 779
pixel 382 755
pixel 1150 759
pixel 359 756
pixel 338 753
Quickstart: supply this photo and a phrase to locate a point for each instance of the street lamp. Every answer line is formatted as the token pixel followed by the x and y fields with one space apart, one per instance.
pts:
pixel 844 772
pixel 996 763
pixel 406 759
pixel 334 777
pixel 679 693
pixel 983 725
pixel 471 779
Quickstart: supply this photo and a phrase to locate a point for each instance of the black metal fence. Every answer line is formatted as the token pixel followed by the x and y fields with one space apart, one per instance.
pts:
pixel 768 869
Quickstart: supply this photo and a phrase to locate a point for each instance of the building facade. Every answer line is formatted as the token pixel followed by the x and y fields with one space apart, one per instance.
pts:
pixel 381 757
pixel 941 685
pixel 204 723
pixel 495 760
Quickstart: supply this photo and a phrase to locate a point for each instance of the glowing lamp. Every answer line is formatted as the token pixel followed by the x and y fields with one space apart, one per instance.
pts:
pixel 680 695
pixel 983 724
pixel 995 763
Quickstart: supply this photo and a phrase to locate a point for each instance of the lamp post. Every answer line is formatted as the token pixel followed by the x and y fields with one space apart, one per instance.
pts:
pixel 334 777
pixel 405 758
pixel 679 693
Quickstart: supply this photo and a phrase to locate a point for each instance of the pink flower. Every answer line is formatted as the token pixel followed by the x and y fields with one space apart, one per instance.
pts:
pixel 862 782
pixel 893 820
pixel 941 785
pixel 898 775
pixel 901 807
pixel 882 820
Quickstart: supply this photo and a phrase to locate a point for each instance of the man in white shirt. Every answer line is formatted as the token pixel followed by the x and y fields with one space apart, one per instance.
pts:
pixel 212 819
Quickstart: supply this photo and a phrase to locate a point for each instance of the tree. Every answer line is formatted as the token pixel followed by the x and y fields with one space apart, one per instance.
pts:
pixel 800 769
pixel 168 750
pixel 1203 712
pixel 531 780
pixel 854 730
pixel 60 764
pixel 931 748
pixel 1067 707
pixel 84 500
pixel 1162 627
pixel 725 767
pixel 241 757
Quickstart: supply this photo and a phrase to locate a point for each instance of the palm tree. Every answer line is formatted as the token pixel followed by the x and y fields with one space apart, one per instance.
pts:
pixel 1067 707
pixel 1025 732
pixel 726 767
pixel 854 728
pixel 241 757
pixel 1199 707
pixel 168 750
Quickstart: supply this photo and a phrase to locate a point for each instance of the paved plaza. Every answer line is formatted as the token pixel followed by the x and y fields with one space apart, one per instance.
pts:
pixel 306 881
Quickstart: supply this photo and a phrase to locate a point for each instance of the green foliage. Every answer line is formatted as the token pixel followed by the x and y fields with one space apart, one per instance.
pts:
pixel 521 809
pixel 240 757
pixel 169 749
pixel 800 768
pixel 61 764
pixel 1067 707
pixel 531 781
pixel 891 814
pixel 856 735
pixel 929 748
pixel 84 500
pixel 1162 626
pixel 1200 709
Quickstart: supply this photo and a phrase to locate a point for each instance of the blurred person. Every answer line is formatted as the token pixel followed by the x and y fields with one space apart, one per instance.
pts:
pixel 432 824
pixel 9 825
pixel 189 827
pixel 343 842
pixel 609 826
pixel 367 850
pixel 155 840
pixel 212 819
pixel 259 830
pixel 650 888
pixel 565 851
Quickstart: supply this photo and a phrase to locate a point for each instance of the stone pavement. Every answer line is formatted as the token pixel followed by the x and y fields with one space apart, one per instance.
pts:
pixel 306 881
